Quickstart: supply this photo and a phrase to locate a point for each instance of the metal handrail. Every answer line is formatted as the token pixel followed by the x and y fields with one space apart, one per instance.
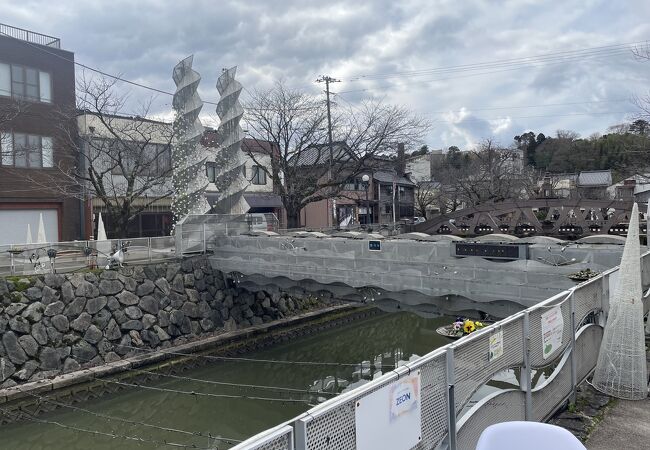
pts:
pixel 29 36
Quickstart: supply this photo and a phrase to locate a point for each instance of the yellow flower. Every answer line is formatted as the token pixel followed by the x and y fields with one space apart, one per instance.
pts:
pixel 468 326
pixel 479 324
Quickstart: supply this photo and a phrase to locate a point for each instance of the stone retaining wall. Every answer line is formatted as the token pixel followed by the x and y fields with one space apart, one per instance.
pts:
pixel 52 324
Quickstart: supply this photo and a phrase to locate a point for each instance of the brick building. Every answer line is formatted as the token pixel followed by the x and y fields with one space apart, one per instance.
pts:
pixel 37 90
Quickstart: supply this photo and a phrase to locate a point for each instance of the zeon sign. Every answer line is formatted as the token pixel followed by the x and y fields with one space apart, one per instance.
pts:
pixel 390 417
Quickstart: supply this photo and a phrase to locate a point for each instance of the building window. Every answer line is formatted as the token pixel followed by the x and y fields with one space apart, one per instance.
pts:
pixel 158 160
pixel 259 176
pixel 26 150
pixel 211 172
pixel 25 83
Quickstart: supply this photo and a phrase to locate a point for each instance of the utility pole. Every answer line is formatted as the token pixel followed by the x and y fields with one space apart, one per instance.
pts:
pixel 327 80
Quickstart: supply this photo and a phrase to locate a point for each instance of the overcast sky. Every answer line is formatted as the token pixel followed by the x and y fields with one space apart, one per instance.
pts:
pixel 300 40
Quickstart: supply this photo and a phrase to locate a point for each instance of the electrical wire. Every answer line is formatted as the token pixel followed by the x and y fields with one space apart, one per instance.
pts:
pixel 131 422
pixel 203 394
pixel 254 360
pixel 112 435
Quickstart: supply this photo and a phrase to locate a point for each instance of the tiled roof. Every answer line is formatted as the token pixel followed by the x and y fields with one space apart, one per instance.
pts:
pixel 320 154
pixel 388 177
pixel 594 178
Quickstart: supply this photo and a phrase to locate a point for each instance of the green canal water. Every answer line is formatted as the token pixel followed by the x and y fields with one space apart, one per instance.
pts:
pixel 382 340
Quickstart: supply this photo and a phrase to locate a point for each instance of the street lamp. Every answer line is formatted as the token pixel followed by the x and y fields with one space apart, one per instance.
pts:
pixel 366 183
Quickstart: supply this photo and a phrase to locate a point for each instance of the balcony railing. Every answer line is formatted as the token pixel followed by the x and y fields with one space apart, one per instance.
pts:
pixel 29 36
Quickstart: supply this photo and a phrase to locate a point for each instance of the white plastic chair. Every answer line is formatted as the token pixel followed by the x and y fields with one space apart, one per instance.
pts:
pixel 527 435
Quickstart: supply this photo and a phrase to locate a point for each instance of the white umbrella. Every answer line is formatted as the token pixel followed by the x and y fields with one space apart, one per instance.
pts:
pixel 101 231
pixel 41 238
pixel 28 238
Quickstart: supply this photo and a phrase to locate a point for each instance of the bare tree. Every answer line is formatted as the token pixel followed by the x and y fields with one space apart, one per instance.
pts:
pixel 123 161
pixel 304 168
pixel 427 195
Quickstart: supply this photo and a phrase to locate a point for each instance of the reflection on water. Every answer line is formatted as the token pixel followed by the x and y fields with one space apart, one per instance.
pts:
pixel 370 347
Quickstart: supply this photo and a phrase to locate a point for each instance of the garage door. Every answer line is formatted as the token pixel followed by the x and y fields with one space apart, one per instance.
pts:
pixel 13 225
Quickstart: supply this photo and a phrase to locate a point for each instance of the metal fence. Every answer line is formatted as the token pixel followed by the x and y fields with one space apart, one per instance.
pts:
pixel 27 259
pixel 451 375
pixel 29 36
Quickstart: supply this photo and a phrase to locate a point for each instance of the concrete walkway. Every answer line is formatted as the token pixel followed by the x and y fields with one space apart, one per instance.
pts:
pixel 626 425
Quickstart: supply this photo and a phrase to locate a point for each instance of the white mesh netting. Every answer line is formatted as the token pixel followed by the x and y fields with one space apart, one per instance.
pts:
pixel 621 369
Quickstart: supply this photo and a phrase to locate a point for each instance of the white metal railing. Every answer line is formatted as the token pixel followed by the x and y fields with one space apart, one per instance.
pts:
pixel 451 375
pixel 27 259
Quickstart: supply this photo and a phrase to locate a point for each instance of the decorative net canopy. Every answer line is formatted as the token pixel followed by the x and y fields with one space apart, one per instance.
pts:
pixel 621 370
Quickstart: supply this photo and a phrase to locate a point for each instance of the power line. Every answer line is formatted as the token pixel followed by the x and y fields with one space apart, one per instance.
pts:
pixel 132 422
pixel 254 360
pixel 112 435
pixel 203 394
pixel 612 48
pixel 411 83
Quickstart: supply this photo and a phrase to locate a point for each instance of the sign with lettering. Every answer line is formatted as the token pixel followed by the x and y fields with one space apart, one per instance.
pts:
pixel 552 329
pixel 496 345
pixel 374 246
pixel 390 417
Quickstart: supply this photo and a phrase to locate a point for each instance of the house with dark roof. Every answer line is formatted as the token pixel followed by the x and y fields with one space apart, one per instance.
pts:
pixel 593 184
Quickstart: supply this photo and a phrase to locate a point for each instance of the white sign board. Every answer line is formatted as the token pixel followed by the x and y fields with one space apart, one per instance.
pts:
pixel 552 329
pixel 390 417
pixel 496 345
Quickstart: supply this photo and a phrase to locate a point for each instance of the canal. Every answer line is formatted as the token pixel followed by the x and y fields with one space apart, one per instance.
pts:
pixel 379 341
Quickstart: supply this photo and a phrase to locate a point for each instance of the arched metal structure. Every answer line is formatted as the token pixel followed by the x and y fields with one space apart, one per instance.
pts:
pixel 567 218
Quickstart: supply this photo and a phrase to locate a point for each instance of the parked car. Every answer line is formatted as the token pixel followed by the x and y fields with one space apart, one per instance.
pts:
pixel 417 220
pixel 261 221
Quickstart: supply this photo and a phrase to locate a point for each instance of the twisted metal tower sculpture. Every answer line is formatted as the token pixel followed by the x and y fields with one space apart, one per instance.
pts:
pixel 229 178
pixel 621 370
pixel 188 178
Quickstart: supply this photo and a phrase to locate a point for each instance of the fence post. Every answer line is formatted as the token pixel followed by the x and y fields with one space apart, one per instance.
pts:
pixel 300 433
pixel 526 375
pixel 11 257
pixel 204 245
pixel 572 354
pixel 451 400
pixel 149 249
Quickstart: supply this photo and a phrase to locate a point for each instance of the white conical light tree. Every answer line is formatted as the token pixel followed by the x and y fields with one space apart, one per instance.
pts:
pixel 621 370
pixel 28 238
pixel 101 231
pixel 188 177
pixel 40 237
pixel 229 178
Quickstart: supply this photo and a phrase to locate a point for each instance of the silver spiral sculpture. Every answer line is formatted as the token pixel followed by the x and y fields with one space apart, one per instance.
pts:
pixel 188 178
pixel 229 178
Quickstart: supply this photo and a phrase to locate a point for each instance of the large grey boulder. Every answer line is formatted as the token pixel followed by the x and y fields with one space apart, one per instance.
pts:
pixel 34 312
pixel 54 308
pixel 87 289
pixel 19 324
pixel 148 320
pixel 27 371
pixel 110 287
pixel 132 325
pixel 70 365
pixel 82 322
pixel 15 308
pixel 162 334
pixel 13 348
pixel 93 334
pixel 124 346
pixel 127 298
pixel 145 288
pixel 61 323
pixel 54 280
pixel 109 275
pixel 75 307
pixel 29 344
pixel 50 359
pixel 7 368
pixel 149 304
pixel 163 285
pixel 33 293
pixel 177 284
pixel 112 331
pixel 67 292
pixel 49 295
pixel 39 332
pixel 191 310
pixel 133 312
pixel 83 351
pixel 94 305
pixel 101 318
